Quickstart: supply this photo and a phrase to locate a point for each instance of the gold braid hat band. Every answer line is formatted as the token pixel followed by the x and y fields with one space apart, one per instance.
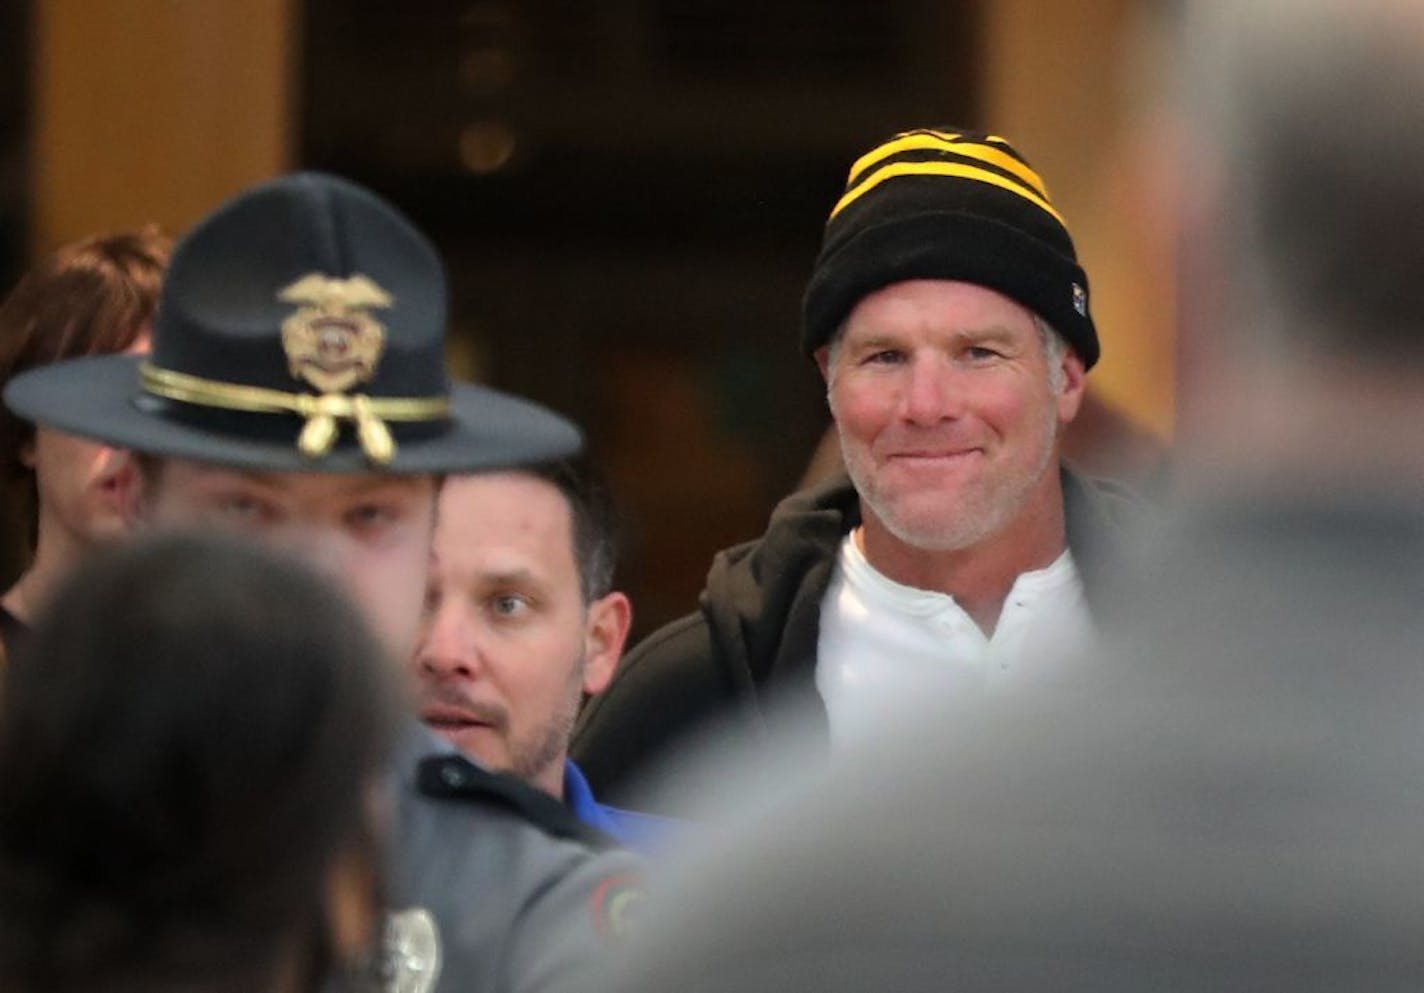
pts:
pixel 321 411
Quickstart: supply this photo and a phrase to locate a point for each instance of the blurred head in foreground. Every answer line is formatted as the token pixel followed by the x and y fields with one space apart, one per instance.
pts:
pixel 189 747
pixel 1302 173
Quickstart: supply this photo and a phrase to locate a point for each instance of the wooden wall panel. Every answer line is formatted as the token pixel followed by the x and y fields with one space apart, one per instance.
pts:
pixel 1056 82
pixel 155 109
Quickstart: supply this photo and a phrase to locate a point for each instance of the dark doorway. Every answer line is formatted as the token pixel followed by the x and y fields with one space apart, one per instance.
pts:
pixel 629 195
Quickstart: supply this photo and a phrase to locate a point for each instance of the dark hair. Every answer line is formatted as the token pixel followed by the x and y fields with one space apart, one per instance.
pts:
pixel 187 741
pixel 89 297
pixel 594 520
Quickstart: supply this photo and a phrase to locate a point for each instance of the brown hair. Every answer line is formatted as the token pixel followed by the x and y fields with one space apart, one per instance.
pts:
pixel 94 296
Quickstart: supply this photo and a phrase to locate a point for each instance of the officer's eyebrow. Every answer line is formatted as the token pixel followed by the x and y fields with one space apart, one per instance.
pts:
pixel 355 482
pixel 365 484
pixel 257 477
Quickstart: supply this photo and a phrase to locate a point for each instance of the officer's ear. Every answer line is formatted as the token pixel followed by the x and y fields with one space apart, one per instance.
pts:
pixel 605 632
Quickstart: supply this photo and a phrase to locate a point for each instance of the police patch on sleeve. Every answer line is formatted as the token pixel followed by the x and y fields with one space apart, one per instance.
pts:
pixel 616 905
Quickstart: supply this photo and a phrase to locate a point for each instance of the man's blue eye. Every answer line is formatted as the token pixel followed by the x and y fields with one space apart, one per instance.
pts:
pixel 510 605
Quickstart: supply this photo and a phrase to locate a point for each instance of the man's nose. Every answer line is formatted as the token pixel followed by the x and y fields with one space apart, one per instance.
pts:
pixel 930 393
pixel 449 644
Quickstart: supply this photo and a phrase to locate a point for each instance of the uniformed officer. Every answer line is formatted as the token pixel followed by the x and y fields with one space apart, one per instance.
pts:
pixel 297 391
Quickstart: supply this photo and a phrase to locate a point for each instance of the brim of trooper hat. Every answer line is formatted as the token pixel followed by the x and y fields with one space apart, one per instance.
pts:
pixel 100 398
pixel 301 329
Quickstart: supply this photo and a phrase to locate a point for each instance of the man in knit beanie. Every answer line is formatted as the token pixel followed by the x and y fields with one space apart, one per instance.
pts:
pixel 950 318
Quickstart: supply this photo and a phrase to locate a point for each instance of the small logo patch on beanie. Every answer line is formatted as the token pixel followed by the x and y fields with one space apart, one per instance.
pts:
pixel 1080 300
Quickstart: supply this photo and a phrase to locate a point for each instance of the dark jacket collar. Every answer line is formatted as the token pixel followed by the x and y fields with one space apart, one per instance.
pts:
pixel 763 598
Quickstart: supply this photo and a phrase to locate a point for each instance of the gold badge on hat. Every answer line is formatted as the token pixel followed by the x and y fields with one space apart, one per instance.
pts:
pixel 331 342
pixel 334 344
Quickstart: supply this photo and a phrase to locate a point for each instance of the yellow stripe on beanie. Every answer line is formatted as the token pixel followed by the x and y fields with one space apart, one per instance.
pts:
pixel 948 141
pixel 934 168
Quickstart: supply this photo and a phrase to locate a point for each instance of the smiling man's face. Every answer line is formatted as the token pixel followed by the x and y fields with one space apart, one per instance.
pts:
pixel 946 410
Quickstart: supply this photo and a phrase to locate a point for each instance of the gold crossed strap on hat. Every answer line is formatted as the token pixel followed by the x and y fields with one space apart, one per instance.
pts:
pixel 333 344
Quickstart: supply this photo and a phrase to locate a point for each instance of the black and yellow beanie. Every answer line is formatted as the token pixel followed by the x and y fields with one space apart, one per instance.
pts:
pixel 948 204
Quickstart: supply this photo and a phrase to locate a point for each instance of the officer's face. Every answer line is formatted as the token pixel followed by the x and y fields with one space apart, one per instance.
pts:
pixel 509 644
pixel 370 534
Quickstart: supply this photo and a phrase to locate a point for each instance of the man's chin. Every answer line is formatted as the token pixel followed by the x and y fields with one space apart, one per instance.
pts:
pixel 477 742
pixel 928 537
pixel 921 522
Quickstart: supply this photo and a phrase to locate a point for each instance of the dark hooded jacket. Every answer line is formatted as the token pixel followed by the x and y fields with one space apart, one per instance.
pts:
pixel 752 642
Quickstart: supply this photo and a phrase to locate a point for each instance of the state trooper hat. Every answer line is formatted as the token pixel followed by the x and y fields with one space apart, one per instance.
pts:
pixel 301 328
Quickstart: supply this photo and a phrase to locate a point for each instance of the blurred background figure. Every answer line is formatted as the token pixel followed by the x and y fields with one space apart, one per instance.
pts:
pixel 1228 799
pixel 189 752
pixel 95 296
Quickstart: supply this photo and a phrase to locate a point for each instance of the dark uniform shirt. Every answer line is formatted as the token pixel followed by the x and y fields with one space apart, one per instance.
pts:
pixel 523 896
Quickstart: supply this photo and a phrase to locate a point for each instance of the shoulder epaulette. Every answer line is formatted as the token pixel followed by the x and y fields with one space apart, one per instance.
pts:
pixel 455 777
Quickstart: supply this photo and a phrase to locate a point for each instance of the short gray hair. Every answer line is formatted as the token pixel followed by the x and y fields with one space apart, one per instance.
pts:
pixel 1055 346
